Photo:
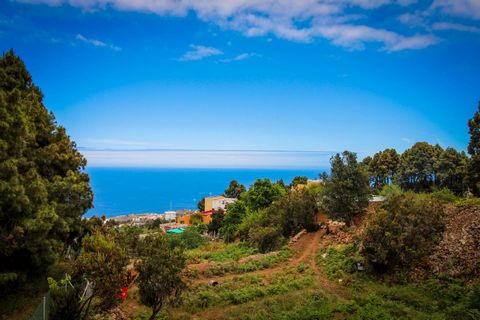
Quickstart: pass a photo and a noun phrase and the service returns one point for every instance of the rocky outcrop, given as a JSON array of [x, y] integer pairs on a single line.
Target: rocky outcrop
[[458, 253]]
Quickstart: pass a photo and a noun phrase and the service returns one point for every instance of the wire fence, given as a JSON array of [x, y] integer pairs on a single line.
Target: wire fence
[[42, 312]]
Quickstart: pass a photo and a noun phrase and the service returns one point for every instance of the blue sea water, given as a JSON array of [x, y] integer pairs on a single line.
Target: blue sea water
[[121, 191]]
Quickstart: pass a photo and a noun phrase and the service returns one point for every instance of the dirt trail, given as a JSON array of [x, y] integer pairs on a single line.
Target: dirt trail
[[304, 250]]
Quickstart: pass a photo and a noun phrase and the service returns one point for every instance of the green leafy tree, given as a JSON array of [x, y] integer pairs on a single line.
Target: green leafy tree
[[103, 261], [347, 189], [217, 221], [383, 168], [43, 189], [293, 212], [160, 274], [474, 151], [234, 190], [416, 170], [201, 204], [298, 180], [451, 170], [236, 213], [405, 229], [262, 193]]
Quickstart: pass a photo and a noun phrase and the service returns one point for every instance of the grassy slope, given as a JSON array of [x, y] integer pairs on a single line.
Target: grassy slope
[[327, 287]]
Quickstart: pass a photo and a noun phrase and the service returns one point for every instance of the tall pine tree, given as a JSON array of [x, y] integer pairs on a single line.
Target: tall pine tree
[[474, 151], [43, 189]]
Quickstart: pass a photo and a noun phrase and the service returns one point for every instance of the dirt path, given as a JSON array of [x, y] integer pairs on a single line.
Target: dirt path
[[304, 252]]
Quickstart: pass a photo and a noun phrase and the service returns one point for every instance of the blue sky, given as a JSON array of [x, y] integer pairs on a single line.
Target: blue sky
[[286, 75]]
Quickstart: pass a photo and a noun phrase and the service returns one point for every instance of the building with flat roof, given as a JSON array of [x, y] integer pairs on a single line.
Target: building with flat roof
[[217, 203]]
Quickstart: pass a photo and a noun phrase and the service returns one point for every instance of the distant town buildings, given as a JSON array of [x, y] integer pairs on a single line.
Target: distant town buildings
[[170, 215], [217, 203]]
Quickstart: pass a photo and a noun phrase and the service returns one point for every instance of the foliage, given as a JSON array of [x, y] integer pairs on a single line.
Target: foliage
[[266, 262], [417, 167], [339, 262], [347, 190], [217, 221], [129, 237], [43, 189], [155, 224], [474, 151], [220, 252], [295, 211], [196, 218], [191, 238], [402, 231], [451, 169], [265, 238], [66, 300], [383, 168], [390, 190], [160, 273], [201, 204], [247, 288], [298, 180], [103, 261], [444, 195], [261, 194], [236, 212], [234, 190]]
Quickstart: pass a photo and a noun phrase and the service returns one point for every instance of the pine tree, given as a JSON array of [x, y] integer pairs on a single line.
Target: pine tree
[[474, 151], [43, 189]]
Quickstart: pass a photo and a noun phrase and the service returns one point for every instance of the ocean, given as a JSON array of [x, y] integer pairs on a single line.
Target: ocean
[[120, 191]]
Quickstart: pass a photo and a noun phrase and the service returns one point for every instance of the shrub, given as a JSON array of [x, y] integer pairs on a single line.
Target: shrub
[[405, 229], [444, 195], [160, 269], [102, 261], [66, 302]]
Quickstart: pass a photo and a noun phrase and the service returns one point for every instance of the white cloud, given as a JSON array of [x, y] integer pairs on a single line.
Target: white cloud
[[200, 52], [97, 43], [461, 8], [206, 159], [242, 56], [295, 20], [454, 27]]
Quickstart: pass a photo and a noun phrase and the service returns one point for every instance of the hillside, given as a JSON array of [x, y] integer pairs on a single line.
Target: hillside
[[316, 278]]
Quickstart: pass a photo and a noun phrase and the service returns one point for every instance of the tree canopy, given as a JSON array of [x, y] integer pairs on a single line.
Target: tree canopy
[[43, 189], [347, 189], [234, 190], [474, 151], [160, 273]]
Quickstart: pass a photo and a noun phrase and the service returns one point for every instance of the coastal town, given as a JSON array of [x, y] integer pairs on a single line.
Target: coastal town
[[177, 221], [186, 217]]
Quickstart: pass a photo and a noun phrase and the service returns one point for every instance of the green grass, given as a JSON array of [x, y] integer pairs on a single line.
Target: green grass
[[372, 297], [242, 289], [266, 262], [220, 252]]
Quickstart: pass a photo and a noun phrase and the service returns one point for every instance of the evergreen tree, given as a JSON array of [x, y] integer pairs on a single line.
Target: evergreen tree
[[298, 180], [383, 167], [416, 170], [347, 189], [234, 190], [43, 189], [474, 151], [451, 170]]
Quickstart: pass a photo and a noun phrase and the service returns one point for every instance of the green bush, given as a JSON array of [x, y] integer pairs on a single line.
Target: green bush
[[444, 195], [404, 230]]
